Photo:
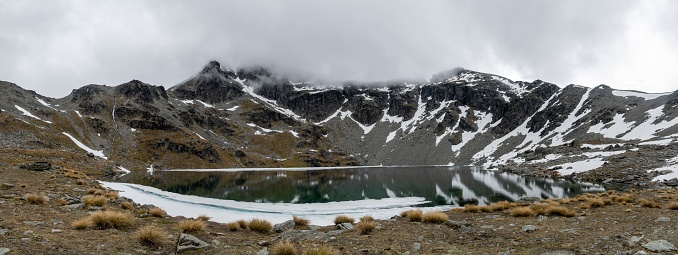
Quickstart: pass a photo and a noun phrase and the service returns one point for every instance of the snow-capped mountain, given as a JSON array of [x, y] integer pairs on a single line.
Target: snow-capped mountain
[[254, 117]]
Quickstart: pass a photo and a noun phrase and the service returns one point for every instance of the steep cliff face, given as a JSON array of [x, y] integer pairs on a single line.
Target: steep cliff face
[[255, 117]]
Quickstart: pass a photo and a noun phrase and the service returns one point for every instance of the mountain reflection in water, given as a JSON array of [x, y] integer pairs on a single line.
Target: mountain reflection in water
[[440, 185]]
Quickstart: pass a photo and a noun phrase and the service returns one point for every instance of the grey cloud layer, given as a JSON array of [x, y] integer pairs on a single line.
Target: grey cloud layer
[[55, 46]]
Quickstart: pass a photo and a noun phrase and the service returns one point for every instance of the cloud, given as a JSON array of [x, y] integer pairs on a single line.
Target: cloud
[[55, 46]]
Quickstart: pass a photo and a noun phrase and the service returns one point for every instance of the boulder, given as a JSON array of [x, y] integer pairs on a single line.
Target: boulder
[[188, 242], [282, 227], [659, 246], [37, 166]]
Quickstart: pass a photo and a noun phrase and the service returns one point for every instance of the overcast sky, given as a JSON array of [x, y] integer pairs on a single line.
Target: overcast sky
[[54, 46]]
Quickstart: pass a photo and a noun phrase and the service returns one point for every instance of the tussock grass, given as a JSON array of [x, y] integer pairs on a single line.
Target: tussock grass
[[111, 219], [343, 219], [157, 212], [36, 199], [82, 223], [283, 248], [203, 217], [91, 191], [233, 226], [673, 206], [595, 202], [434, 217], [62, 202], [81, 182], [112, 195], [300, 222], [188, 226], [260, 226], [560, 210], [151, 236], [472, 208], [648, 203], [521, 212], [366, 218], [95, 200], [127, 205], [501, 205], [412, 215], [366, 227], [322, 250], [243, 224], [74, 174], [539, 208]]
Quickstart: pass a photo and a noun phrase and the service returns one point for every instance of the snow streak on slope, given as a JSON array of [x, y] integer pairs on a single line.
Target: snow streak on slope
[[271, 103], [646, 129], [629, 93], [671, 165], [27, 113], [568, 124], [84, 147]]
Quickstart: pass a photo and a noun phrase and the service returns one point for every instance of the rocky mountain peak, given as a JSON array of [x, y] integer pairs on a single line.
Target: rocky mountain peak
[[142, 91], [213, 85]]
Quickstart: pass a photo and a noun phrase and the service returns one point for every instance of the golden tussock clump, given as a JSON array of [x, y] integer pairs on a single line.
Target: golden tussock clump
[[233, 226], [673, 206], [322, 250], [648, 203], [36, 199], [366, 218], [62, 202], [343, 219], [539, 208], [283, 248], [74, 174], [112, 195], [521, 212], [203, 217], [300, 222], [412, 215], [82, 223], [111, 219], [188, 226], [366, 227], [501, 205], [243, 224], [560, 210], [434, 217], [151, 236], [127, 205], [95, 200], [157, 212], [260, 226], [472, 208], [595, 202]]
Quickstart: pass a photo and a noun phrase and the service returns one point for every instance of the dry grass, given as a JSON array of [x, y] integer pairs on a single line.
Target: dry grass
[[322, 250], [500, 206], [648, 203], [366, 227], [62, 202], [539, 208], [127, 205], [472, 208], [521, 212], [343, 219], [283, 248], [260, 226], [111, 219], [560, 210], [300, 222], [188, 226], [81, 182], [366, 218], [151, 236], [36, 199], [434, 217], [157, 212], [91, 191], [412, 215], [625, 198], [74, 174], [82, 223], [233, 226], [673, 206], [204, 217], [243, 224], [112, 195], [95, 200], [595, 202]]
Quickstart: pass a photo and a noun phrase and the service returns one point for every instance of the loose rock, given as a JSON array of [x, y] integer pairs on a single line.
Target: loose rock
[[188, 242], [282, 227], [4, 250], [529, 228], [662, 219], [659, 245], [345, 226]]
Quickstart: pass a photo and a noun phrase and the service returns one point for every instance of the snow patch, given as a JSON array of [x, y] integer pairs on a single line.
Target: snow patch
[[630, 93], [27, 113], [580, 166], [84, 147]]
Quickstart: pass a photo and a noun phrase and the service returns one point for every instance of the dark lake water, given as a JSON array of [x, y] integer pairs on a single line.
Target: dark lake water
[[439, 185]]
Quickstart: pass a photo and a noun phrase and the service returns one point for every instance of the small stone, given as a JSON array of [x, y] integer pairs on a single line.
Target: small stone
[[56, 230], [216, 242], [421, 238], [28, 232], [34, 223], [188, 242], [416, 246], [57, 222], [25, 239], [659, 245], [640, 253], [264, 243], [77, 206], [345, 226], [529, 228], [263, 251], [581, 218], [3, 231], [634, 240], [662, 219], [4, 250], [542, 218], [672, 182]]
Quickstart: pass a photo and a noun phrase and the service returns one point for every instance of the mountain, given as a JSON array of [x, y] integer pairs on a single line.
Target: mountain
[[253, 117]]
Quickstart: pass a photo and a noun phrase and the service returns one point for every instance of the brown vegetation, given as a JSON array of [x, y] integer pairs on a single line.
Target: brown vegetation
[[111, 219], [188, 226], [36, 199], [283, 248], [300, 222], [260, 226], [343, 219], [151, 236], [434, 217]]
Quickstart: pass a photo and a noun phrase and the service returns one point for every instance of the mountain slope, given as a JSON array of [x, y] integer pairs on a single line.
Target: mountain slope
[[254, 117]]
